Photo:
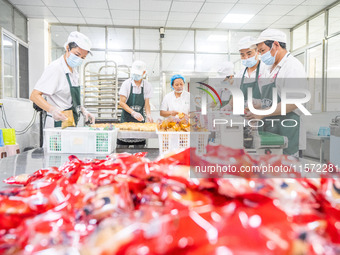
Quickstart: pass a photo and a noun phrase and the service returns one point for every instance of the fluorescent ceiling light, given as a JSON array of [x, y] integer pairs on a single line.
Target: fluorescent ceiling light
[[217, 38], [237, 18]]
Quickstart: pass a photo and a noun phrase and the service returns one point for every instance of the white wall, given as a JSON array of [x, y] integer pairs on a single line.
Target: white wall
[[19, 113], [317, 120], [38, 45]]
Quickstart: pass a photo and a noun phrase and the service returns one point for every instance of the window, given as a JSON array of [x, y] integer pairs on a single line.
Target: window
[[301, 58], [178, 62], [147, 39], [181, 40], [210, 62], [96, 35], [20, 26], [12, 20], [235, 38], [315, 65], [59, 35], [6, 16], [299, 37], [333, 74], [316, 29], [9, 69], [212, 41], [15, 67], [334, 20], [120, 38], [23, 72]]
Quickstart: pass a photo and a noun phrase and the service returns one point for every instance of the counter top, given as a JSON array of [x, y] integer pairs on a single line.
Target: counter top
[[317, 137], [30, 161]]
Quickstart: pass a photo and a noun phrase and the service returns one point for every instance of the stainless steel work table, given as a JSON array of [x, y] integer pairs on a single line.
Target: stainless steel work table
[[30, 161]]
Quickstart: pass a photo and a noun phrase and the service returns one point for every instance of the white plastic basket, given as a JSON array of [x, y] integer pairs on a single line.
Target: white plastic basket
[[80, 140], [171, 141]]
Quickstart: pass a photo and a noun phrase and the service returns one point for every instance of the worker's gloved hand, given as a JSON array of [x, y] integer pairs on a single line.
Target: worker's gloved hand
[[56, 113], [257, 103], [149, 118], [174, 113], [212, 105], [137, 116], [227, 108], [87, 115]]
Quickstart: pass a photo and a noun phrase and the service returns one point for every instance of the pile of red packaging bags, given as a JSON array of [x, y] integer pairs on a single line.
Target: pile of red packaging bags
[[127, 204]]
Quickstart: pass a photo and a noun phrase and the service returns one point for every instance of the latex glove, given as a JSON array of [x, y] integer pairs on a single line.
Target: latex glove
[[227, 108], [149, 118], [212, 105], [257, 103], [56, 113], [137, 116], [87, 115], [173, 113]]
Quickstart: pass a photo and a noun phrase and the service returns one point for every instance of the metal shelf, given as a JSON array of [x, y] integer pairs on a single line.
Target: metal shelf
[[102, 81]]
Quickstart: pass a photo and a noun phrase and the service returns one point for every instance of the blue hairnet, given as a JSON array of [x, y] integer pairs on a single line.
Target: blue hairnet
[[176, 76]]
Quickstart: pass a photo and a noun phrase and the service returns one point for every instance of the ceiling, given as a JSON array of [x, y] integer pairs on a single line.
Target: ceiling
[[173, 13]]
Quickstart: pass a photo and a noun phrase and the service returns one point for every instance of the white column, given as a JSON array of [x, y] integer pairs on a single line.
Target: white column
[[38, 45]]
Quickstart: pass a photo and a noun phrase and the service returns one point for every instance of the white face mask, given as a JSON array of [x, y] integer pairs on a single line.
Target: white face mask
[[179, 91]]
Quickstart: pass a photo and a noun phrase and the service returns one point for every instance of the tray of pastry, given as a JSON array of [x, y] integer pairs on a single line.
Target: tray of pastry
[[131, 129]]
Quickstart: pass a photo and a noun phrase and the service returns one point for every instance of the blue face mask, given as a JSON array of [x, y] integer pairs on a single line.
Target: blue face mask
[[267, 57], [136, 77], [74, 61], [249, 62]]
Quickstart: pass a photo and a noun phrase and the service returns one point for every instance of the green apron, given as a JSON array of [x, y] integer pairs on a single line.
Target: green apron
[[292, 133], [136, 102], [225, 102], [75, 95], [254, 85]]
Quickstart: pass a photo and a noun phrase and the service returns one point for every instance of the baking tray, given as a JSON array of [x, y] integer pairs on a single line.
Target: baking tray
[[136, 134]]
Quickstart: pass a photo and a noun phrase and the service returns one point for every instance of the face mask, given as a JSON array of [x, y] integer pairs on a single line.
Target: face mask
[[74, 61], [179, 91], [249, 62], [136, 77], [267, 57]]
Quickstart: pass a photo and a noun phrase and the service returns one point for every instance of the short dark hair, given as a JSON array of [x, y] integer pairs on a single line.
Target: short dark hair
[[269, 43], [72, 45]]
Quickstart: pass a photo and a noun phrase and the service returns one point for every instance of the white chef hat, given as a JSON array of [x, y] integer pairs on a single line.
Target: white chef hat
[[138, 67], [272, 35], [80, 39], [226, 69], [247, 42]]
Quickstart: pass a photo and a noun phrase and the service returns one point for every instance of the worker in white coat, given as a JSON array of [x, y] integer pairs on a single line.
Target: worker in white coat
[[226, 73], [285, 72], [176, 101], [253, 70], [135, 94], [60, 83]]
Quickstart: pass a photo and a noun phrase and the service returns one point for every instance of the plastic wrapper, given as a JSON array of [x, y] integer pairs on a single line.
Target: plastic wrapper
[[70, 119], [127, 204]]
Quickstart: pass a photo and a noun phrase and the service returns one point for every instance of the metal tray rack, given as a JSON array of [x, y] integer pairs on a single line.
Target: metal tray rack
[[102, 81]]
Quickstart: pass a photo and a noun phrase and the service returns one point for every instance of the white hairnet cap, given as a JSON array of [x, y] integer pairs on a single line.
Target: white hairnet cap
[[246, 42], [226, 69], [80, 39], [272, 35], [138, 67]]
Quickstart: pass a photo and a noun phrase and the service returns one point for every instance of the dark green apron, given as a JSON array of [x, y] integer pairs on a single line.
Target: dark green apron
[[225, 102], [75, 94], [292, 133], [136, 102], [254, 85]]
